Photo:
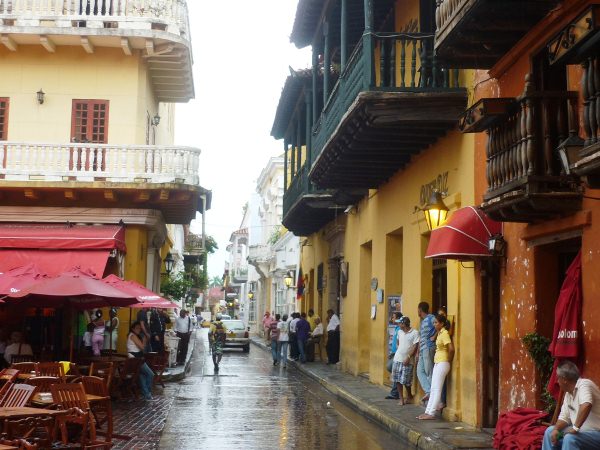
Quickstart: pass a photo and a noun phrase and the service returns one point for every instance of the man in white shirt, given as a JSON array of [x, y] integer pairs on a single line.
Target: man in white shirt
[[16, 347], [183, 328], [315, 339], [294, 354], [402, 368], [578, 424], [333, 337]]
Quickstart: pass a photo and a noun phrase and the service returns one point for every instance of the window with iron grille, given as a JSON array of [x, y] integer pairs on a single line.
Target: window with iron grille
[[3, 118], [252, 311]]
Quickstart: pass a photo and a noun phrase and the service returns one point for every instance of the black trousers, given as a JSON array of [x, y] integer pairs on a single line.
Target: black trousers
[[183, 346], [157, 345], [293, 346], [333, 346]]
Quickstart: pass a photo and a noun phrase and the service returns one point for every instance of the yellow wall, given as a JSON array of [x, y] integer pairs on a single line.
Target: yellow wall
[[385, 239], [69, 74]]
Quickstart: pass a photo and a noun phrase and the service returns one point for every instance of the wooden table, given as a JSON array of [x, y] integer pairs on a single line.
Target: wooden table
[[8, 447], [24, 376], [15, 413], [37, 399]]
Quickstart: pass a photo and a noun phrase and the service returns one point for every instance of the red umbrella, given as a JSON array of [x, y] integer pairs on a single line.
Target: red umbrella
[[145, 297], [75, 287], [17, 279], [566, 337], [465, 236]]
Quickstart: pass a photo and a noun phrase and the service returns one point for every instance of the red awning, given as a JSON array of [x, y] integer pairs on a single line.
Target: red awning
[[63, 237], [55, 262], [59, 248], [145, 297], [464, 237]]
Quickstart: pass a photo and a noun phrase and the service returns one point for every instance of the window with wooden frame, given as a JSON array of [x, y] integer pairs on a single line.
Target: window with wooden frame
[[89, 121], [3, 118]]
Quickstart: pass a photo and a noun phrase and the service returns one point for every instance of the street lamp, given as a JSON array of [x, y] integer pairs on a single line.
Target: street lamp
[[289, 280], [156, 120], [169, 262], [40, 96], [568, 151], [250, 295], [496, 245], [435, 211]]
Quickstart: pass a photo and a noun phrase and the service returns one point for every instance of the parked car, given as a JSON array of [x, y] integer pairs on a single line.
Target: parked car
[[238, 335]]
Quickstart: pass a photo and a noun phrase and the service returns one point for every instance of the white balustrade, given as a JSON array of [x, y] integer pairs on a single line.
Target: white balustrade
[[87, 162], [169, 12]]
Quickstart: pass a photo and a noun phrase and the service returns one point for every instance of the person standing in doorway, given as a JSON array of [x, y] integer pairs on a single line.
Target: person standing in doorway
[[333, 337], [274, 332], [111, 331], [183, 328], [283, 328], [302, 334], [444, 353], [392, 351], [426, 351]]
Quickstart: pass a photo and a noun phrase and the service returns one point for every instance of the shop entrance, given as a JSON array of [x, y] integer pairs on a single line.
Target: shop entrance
[[490, 342], [439, 288]]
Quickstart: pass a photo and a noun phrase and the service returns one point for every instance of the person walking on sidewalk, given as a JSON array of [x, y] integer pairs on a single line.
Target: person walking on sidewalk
[[183, 328], [392, 351], [426, 349], [444, 352], [266, 322], [283, 328], [302, 334], [333, 337], [402, 369], [274, 333], [293, 336], [217, 337]]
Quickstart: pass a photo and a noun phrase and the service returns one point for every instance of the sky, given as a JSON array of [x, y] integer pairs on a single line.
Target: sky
[[242, 56]]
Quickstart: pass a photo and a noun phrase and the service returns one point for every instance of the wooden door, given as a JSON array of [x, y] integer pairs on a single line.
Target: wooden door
[[490, 357], [89, 124]]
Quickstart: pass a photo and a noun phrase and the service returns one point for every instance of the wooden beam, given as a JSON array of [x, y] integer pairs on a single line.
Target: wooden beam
[[48, 44], [126, 46], [71, 194], [31, 194], [110, 195], [87, 45], [164, 195], [9, 43], [142, 196]]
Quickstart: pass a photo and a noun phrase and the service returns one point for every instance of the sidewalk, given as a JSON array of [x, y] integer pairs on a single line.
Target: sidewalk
[[370, 400], [177, 373]]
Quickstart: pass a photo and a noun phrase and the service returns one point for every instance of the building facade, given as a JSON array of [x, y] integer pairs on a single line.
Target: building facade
[[92, 143]]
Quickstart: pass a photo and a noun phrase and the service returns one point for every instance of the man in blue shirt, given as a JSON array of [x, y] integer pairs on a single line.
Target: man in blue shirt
[[302, 335], [426, 349]]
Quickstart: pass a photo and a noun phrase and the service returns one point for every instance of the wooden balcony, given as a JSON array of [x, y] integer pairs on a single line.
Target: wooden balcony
[[157, 29], [307, 209], [102, 175], [525, 180], [392, 101], [477, 33]]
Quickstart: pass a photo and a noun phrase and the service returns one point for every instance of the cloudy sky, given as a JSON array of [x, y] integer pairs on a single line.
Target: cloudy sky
[[241, 58]]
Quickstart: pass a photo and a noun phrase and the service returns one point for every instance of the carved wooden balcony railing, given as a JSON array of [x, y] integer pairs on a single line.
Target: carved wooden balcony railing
[[525, 183], [476, 33], [392, 100]]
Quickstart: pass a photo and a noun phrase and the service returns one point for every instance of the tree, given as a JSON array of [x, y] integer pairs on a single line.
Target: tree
[[216, 281], [177, 286]]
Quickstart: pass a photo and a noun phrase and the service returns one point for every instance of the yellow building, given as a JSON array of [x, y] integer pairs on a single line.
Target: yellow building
[[370, 133], [87, 94]]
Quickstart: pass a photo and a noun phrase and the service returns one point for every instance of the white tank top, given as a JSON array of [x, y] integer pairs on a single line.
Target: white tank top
[[131, 347]]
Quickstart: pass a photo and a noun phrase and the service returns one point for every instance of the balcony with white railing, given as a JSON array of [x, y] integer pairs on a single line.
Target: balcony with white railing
[[26, 161], [158, 30]]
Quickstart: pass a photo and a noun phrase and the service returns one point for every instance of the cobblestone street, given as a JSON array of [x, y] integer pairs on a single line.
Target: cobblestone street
[[252, 405]]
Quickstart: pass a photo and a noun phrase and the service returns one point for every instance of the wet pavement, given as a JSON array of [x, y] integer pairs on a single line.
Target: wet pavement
[[250, 404]]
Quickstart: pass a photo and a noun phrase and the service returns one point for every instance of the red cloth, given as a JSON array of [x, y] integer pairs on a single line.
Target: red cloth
[[520, 429], [566, 337], [300, 286], [54, 262]]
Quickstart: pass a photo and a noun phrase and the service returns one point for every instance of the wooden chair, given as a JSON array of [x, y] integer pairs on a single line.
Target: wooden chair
[[20, 444], [40, 430], [83, 419], [158, 363], [43, 383], [129, 372], [17, 396], [21, 358], [7, 378], [50, 369], [104, 370], [24, 366], [69, 395], [74, 373], [101, 409]]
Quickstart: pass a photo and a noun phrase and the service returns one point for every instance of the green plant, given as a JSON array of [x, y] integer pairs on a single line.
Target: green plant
[[275, 235], [537, 346], [176, 287]]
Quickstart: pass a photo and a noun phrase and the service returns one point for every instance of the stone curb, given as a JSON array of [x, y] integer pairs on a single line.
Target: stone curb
[[177, 373], [394, 425]]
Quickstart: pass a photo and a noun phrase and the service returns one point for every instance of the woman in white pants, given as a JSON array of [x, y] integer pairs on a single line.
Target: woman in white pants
[[444, 352]]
